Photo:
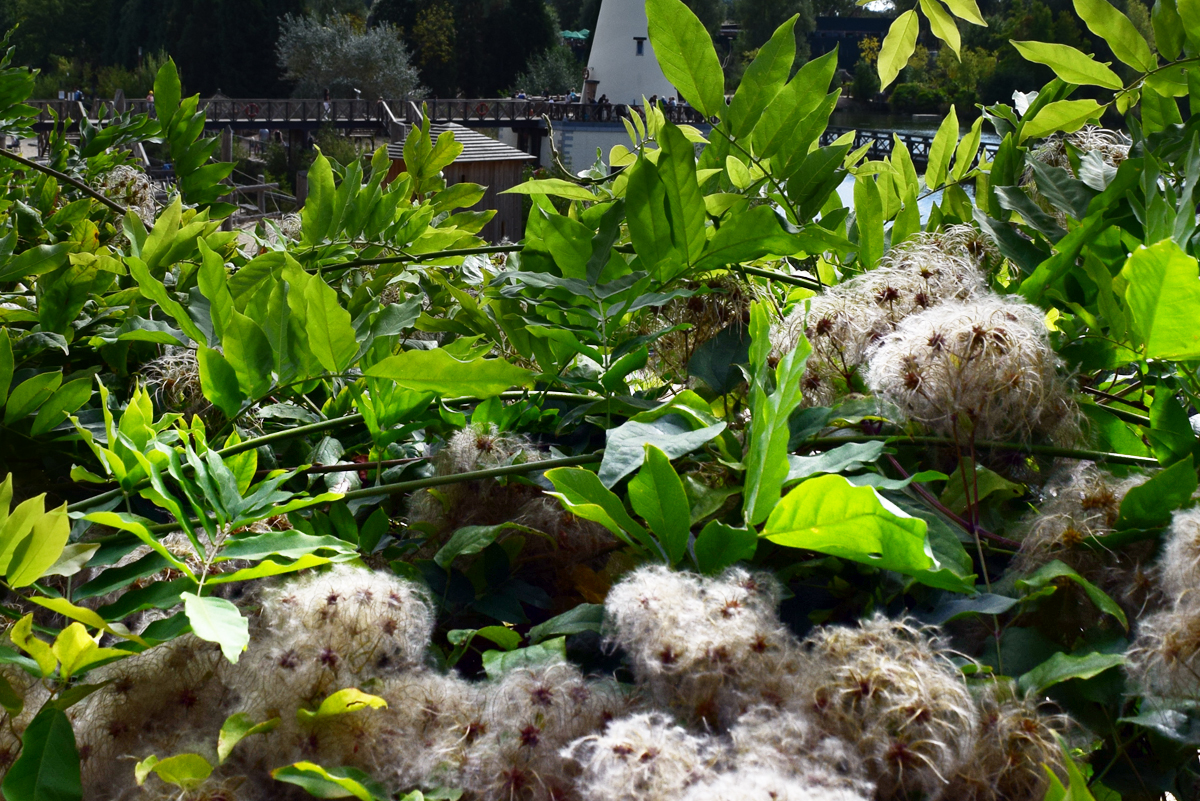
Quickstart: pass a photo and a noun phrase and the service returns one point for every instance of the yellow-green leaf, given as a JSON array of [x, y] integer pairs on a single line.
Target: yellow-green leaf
[[1115, 28], [942, 24], [86, 616], [1066, 116], [340, 703], [41, 549], [23, 637], [1072, 65], [238, 727], [898, 47]]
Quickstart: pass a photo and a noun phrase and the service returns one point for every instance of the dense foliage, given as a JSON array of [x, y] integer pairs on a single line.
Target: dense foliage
[[712, 487]]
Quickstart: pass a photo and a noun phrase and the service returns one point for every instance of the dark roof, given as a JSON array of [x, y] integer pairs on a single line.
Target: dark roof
[[476, 146], [853, 25]]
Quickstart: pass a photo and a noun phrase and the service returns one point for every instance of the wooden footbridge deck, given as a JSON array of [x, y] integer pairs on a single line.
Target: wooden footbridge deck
[[391, 117]]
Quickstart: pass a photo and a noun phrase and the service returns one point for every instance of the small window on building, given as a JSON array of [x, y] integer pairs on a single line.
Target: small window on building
[[641, 45]]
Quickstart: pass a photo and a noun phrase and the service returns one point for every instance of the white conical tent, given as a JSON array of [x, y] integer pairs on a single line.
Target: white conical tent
[[622, 60]]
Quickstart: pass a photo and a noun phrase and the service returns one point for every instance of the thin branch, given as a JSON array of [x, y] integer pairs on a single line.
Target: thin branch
[[75, 182], [1021, 447]]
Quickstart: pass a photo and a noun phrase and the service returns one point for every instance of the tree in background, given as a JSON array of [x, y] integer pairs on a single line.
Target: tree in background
[[555, 71], [226, 45], [341, 54], [433, 38], [758, 19], [492, 40]]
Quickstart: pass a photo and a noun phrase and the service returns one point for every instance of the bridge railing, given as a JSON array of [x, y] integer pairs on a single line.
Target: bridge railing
[[482, 110]]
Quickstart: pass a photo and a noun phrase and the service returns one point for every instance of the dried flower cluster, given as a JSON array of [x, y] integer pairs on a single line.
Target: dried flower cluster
[[982, 369], [1083, 501], [173, 380], [131, 188], [719, 302], [442, 510], [878, 710], [847, 322], [1165, 657], [316, 635]]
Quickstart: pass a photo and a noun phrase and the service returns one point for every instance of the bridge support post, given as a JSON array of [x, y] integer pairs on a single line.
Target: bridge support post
[[226, 144]]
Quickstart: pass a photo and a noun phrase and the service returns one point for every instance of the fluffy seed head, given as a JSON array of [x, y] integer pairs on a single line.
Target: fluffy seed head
[[644, 757], [849, 321], [887, 688], [982, 369]]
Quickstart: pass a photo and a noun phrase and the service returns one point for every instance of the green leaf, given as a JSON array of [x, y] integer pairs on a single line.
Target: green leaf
[[35, 261], [167, 92], [439, 372], [585, 617], [942, 25], [469, 540], [497, 663], [1164, 297], [217, 620], [503, 636], [829, 515], [1189, 13], [868, 213], [29, 395], [686, 55], [185, 771], [555, 187], [624, 450], [153, 289], [968, 10], [985, 484], [333, 783], [656, 493], [898, 47], [1150, 505], [1169, 32], [767, 457], [219, 382], [942, 150], [1064, 667], [1052, 571], [718, 546], [316, 218], [582, 494], [842, 459], [330, 332], [66, 400], [1066, 116], [1069, 64], [685, 204], [342, 702], [7, 364], [763, 80], [40, 549], [1115, 28], [48, 767], [86, 616]]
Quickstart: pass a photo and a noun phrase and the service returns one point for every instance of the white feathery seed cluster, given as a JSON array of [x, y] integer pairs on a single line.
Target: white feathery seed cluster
[[1164, 660], [130, 187], [644, 757], [1084, 501], [848, 321], [173, 381], [699, 646], [492, 502], [1015, 739], [878, 710], [981, 369]]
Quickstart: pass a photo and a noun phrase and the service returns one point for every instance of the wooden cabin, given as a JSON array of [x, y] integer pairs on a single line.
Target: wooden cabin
[[483, 161]]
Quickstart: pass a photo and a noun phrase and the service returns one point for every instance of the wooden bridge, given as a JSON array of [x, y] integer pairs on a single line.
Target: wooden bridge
[[392, 117]]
